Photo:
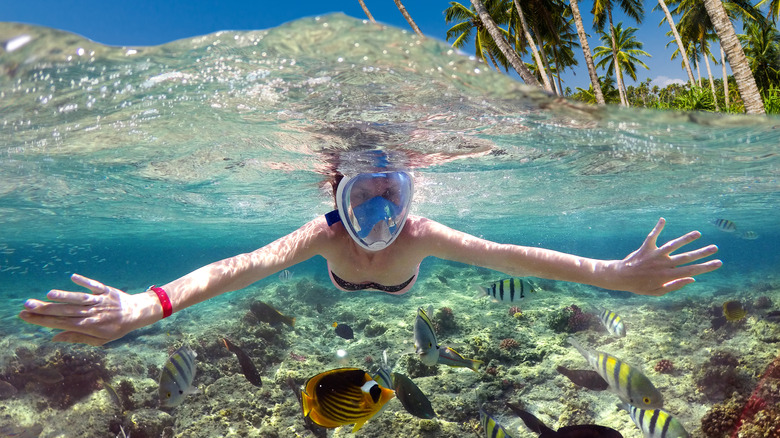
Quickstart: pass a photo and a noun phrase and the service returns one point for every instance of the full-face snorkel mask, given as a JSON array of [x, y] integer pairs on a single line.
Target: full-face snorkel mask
[[373, 207]]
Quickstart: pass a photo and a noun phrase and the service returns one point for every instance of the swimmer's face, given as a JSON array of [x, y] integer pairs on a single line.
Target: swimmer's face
[[375, 187]]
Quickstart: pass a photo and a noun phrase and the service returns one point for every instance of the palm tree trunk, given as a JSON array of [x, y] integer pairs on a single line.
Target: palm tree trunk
[[534, 49], [698, 73], [618, 76], [511, 55], [558, 70], [547, 72], [408, 17], [725, 77], [365, 9], [746, 83], [709, 75], [677, 38], [594, 77]]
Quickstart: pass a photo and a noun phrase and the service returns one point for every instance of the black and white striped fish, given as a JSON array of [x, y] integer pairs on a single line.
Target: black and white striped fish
[[613, 323], [655, 423], [508, 290], [176, 377], [725, 225], [627, 382]]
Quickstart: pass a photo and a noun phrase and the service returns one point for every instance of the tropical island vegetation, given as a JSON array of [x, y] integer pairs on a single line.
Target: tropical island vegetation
[[537, 39]]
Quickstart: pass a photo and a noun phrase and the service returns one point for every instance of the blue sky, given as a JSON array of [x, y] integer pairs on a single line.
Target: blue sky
[[146, 22]]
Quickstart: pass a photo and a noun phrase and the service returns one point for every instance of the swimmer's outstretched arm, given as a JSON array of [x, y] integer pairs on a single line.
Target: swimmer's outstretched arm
[[108, 313], [650, 270]]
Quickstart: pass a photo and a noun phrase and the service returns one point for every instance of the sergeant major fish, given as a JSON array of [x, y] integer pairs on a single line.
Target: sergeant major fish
[[492, 428], [613, 323], [655, 423], [176, 377], [425, 338], [508, 290], [627, 382]]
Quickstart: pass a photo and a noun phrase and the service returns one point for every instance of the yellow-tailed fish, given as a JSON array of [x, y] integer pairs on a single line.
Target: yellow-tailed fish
[[491, 426], [425, 343], [450, 357], [725, 225], [508, 290], [343, 396], [613, 323], [733, 310], [655, 423], [624, 380], [176, 377]]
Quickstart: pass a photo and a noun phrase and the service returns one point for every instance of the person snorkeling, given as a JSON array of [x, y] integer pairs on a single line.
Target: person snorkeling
[[370, 241]]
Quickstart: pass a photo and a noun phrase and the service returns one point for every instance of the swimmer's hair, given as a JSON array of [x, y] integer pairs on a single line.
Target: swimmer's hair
[[334, 179]]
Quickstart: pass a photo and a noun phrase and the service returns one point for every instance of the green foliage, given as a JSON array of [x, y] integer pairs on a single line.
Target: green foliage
[[772, 100], [696, 98]]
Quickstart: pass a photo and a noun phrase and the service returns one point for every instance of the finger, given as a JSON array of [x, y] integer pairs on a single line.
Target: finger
[[676, 284], [675, 244], [698, 269], [55, 322], [73, 297], [58, 309], [76, 337], [95, 286], [692, 256], [653, 236]]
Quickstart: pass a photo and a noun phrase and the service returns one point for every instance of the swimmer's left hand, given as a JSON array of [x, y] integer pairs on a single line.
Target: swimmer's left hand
[[653, 270]]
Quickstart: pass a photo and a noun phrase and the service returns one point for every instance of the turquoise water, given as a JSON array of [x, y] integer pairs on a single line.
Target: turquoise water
[[137, 165]]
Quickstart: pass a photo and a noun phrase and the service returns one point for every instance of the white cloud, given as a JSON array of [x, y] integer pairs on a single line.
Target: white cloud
[[663, 81]]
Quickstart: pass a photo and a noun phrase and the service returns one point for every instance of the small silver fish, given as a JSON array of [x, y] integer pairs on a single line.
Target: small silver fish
[[450, 357], [748, 235], [624, 380], [176, 377], [425, 338], [613, 323], [285, 276], [725, 225], [508, 290], [655, 423]]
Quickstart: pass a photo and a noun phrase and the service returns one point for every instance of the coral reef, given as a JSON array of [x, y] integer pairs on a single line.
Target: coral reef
[[763, 302], [508, 344], [719, 377], [444, 320], [722, 418], [664, 366], [570, 319], [65, 377]]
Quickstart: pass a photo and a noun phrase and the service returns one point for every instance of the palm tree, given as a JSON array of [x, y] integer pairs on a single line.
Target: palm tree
[[762, 48], [530, 41], [594, 77], [602, 14], [467, 23], [623, 54], [774, 9], [365, 9], [736, 57], [676, 34], [511, 55], [408, 17]]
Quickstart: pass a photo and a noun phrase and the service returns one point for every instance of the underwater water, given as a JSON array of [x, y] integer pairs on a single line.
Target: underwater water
[[135, 166]]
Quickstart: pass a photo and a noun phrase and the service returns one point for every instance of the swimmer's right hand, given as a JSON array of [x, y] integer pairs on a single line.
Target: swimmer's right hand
[[93, 318]]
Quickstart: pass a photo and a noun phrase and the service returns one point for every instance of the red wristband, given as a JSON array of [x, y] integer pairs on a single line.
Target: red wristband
[[165, 302]]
